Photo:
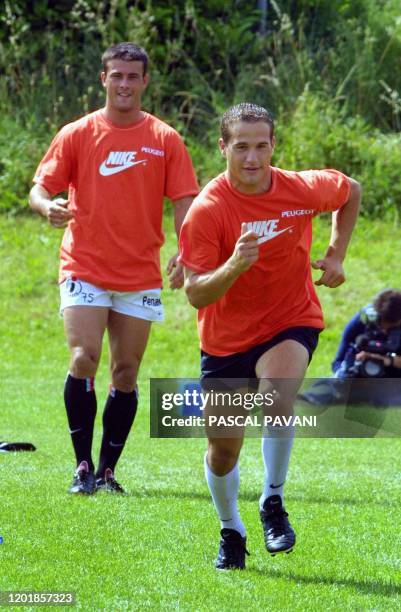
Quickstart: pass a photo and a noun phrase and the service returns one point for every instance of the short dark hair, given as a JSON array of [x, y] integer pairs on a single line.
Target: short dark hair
[[246, 111], [128, 52], [388, 306]]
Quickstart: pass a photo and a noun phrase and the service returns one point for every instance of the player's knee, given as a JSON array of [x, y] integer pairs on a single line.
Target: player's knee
[[124, 377], [84, 362], [222, 456], [283, 408]]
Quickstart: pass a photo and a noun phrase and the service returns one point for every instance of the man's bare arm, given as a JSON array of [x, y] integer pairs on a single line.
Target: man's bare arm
[[55, 211], [181, 208], [204, 289], [174, 268], [343, 222]]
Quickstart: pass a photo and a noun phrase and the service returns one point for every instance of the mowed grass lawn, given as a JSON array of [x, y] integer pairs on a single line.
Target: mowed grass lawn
[[155, 548]]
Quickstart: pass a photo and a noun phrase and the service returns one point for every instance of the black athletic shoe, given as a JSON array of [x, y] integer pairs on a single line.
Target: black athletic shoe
[[12, 447], [232, 550], [84, 481], [279, 535], [109, 483]]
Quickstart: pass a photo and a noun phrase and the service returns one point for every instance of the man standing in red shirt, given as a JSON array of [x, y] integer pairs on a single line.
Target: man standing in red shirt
[[117, 163], [245, 245]]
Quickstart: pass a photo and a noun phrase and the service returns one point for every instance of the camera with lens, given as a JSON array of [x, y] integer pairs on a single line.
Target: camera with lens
[[376, 342]]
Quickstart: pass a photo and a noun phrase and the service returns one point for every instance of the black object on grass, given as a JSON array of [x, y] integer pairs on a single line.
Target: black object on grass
[[10, 447]]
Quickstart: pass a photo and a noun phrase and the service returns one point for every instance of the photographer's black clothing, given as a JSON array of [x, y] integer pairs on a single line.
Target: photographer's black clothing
[[363, 324], [349, 384], [354, 328]]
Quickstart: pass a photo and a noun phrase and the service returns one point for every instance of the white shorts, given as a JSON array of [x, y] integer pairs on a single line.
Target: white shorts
[[141, 304]]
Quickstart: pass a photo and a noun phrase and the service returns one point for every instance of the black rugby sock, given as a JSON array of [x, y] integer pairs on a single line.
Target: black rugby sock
[[118, 417], [80, 403]]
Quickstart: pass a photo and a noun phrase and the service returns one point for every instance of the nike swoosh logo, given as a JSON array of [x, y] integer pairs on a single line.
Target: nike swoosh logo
[[272, 235], [106, 171], [272, 486], [115, 445], [72, 431]]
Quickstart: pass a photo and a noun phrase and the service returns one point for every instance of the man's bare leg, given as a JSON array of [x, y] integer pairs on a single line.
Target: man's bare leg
[[222, 476], [84, 328], [128, 337], [285, 365]]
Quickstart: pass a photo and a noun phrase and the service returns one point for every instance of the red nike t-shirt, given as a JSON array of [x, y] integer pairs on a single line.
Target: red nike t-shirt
[[116, 180], [277, 292]]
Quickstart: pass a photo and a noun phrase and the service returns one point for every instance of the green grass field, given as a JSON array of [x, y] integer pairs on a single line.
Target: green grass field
[[155, 548]]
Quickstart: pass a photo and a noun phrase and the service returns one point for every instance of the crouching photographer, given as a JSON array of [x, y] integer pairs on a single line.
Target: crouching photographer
[[371, 343], [367, 366]]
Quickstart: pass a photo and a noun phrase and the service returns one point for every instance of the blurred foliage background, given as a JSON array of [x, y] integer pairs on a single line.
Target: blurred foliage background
[[329, 70]]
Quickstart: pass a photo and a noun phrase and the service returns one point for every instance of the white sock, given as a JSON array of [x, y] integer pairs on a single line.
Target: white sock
[[276, 451], [224, 491]]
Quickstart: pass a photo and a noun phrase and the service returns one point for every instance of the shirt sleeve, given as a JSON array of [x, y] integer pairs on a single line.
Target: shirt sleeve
[[330, 189], [180, 176], [54, 172], [200, 240]]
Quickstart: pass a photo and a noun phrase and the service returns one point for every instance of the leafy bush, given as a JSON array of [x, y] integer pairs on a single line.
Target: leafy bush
[[204, 53], [21, 148], [319, 134], [329, 71]]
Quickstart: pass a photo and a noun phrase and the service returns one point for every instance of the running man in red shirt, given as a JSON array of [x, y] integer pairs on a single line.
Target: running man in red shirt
[[117, 164], [245, 247]]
